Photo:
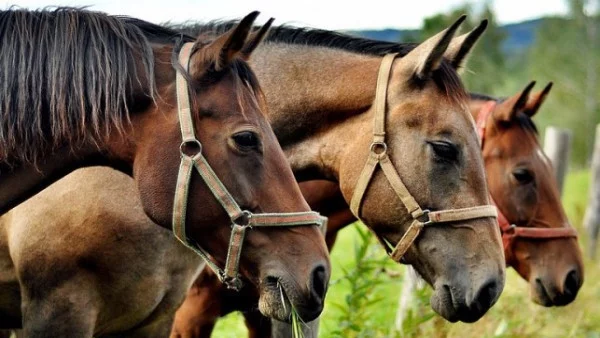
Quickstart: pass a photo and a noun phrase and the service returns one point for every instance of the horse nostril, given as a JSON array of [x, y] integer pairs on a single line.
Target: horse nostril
[[319, 281], [572, 284], [271, 282], [486, 296]]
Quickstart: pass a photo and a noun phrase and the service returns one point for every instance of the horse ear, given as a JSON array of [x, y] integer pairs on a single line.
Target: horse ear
[[223, 50], [427, 56], [536, 100], [509, 108], [256, 38], [460, 47]]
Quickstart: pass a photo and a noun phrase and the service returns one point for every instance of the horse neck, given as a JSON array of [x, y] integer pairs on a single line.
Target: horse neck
[[312, 92], [22, 181]]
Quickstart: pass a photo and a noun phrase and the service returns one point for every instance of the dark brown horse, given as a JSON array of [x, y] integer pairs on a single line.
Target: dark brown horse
[[520, 180], [79, 88]]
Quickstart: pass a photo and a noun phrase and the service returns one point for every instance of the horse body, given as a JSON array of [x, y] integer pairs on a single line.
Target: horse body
[[71, 261]]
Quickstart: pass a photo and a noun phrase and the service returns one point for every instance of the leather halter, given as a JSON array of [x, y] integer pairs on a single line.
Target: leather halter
[[241, 219], [510, 231], [378, 156]]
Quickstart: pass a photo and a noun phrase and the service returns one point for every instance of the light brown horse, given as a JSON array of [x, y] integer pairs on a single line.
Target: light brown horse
[[81, 88], [330, 82], [520, 180]]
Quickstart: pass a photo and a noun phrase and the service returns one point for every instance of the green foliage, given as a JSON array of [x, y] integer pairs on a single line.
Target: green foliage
[[418, 314], [567, 51], [486, 58], [296, 325], [363, 279]]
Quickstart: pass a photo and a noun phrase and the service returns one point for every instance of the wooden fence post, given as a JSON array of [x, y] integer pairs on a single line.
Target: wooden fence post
[[591, 221], [557, 146]]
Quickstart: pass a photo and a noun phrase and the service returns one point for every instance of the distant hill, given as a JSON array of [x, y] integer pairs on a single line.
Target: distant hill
[[519, 36]]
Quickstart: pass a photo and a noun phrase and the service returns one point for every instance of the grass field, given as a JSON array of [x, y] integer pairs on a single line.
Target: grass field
[[513, 316]]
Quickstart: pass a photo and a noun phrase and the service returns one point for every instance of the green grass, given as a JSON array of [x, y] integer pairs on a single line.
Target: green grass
[[513, 316]]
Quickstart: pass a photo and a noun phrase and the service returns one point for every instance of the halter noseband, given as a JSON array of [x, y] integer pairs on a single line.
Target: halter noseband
[[510, 231], [378, 156], [241, 219]]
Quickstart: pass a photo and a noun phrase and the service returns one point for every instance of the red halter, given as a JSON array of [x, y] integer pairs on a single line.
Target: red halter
[[511, 231]]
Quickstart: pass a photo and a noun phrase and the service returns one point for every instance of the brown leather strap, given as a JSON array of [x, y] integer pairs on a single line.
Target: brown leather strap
[[363, 183], [380, 97], [216, 187], [238, 233], [454, 215], [378, 156], [545, 233], [407, 240], [407, 199], [181, 197], [183, 99]]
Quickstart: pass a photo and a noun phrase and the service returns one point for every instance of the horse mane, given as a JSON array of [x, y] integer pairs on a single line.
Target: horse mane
[[523, 120], [67, 76], [445, 76]]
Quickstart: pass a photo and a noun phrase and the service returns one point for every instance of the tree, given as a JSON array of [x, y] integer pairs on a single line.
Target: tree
[[566, 51]]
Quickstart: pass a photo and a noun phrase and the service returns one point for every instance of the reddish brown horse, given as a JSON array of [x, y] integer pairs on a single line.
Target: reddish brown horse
[[81, 88], [520, 180]]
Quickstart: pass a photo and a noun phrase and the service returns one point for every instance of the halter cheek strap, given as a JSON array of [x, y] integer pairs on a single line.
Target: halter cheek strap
[[378, 156], [510, 232], [241, 220]]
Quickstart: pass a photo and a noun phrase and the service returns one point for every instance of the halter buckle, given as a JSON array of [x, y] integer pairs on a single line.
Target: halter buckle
[[244, 219], [379, 148], [427, 220], [190, 148], [232, 283]]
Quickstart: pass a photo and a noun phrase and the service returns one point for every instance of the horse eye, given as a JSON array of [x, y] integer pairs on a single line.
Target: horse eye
[[444, 150], [523, 176], [246, 140]]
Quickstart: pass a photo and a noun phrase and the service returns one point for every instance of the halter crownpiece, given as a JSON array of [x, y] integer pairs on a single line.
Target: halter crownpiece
[[510, 232], [241, 219], [378, 156]]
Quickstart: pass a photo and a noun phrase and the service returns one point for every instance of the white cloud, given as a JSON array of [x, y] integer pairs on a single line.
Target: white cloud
[[327, 14]]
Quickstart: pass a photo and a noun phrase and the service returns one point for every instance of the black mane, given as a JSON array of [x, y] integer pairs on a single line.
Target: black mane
[[445, 76], [66, 76]]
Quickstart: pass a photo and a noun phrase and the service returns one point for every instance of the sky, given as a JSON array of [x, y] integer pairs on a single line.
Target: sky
[[325, 14]]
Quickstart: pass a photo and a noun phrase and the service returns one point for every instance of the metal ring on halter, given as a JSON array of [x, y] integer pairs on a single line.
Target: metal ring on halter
[[244, 219], [192, 144], [382, 147], [427, 220]]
